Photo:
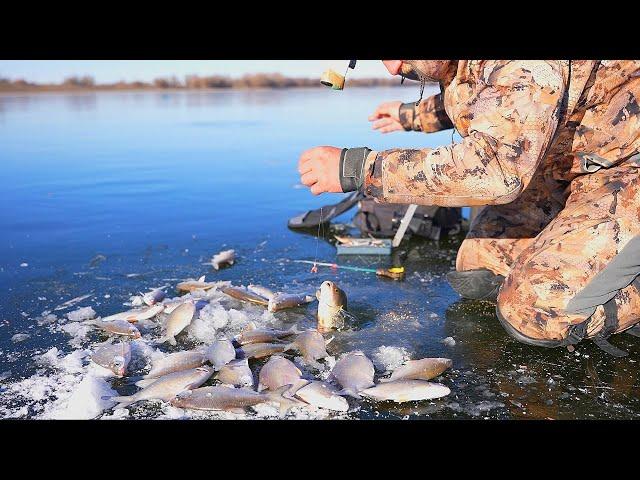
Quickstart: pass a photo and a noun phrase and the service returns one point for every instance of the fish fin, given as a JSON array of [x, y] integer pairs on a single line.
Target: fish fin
[[284, 403], [290, 346], [202, 278], [297, 385]]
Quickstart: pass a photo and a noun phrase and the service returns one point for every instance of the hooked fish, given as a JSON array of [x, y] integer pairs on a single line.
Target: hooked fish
[[220, 352], [354, 372], [332, 306], [281, 301], [277, 372], [406, 391], [423, 369], [192, 285], [179, 319], [114, 357], [322, 395], [117, 327], [260, 350], [167, 387], [311, 344], [174, 362], [251, 334], [154, 296], [231, 399], [136, 315], [236, 373], [226, 257], [241, 293]]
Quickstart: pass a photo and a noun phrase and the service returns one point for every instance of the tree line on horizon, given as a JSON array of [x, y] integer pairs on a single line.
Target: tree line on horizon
[[190, 82]]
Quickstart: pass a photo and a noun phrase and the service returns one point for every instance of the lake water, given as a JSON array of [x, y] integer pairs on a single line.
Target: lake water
[[156, 183]]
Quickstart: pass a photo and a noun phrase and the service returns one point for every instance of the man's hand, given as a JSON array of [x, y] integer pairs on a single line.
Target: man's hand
[[319, 169], [387, 117]]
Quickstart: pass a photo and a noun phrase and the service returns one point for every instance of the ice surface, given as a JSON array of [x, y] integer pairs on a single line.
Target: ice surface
[[81, 314], [387, 358]]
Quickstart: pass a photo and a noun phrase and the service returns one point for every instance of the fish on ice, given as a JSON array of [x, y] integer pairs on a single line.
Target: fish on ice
[[114, 357], [116, 327], [423, 369], [171, 363], [354, 372], [136, 315], [236, 373], [179, 319], [192, 285], [252, 334], [259, 350], [220, 352], [401, 391], [231, 399], [222, 259], [322, 395], [278, 372], [311, 344], [167, 387]]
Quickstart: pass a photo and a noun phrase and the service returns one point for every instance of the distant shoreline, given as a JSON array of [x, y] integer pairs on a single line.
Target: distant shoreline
[[190, 83]]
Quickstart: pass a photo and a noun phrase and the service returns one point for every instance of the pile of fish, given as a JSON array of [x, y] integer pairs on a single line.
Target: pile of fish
[[223, 376]]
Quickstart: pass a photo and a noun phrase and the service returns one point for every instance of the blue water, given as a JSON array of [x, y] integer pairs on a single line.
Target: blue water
[[158, 182]]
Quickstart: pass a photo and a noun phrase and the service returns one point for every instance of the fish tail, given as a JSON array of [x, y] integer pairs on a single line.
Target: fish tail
[[284, 403]]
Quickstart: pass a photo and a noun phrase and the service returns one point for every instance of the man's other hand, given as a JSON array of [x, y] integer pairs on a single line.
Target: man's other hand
[[387, 117], [319, 169]]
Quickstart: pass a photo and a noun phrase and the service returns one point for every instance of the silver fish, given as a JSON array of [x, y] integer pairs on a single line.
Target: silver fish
[[192, 285], [136, 315], [114, 357], [322, 395], [179, 319], [174, 362], [117, 327], [154, 296], [277, 372], [241, 293], [354, 372], [262, 291], [423, 369], [220, 352], [251, 334], [167, 387], [260, 350], [230, 399], [311, 344], [236, 373], [406, 391], [226, 257], [332, 306], [287, 300]]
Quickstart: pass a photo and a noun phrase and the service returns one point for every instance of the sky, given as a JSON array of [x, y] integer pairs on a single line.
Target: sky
[[108, 71]]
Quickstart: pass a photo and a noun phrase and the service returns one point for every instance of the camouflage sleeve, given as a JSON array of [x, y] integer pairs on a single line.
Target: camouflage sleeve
[[429, 116], [509, 121]]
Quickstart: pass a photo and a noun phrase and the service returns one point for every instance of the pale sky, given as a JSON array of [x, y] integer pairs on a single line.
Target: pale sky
[[108, 71]]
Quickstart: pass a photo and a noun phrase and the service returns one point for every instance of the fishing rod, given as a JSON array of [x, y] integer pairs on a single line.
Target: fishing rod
[[396, 273]]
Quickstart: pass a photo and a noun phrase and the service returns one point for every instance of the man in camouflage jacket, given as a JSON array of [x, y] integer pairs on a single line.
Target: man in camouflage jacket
[[551, 148]]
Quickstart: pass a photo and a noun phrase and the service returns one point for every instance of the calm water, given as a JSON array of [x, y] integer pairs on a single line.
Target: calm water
[[158, 182]]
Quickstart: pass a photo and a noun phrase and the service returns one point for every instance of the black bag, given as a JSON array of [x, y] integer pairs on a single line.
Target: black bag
[[383, 219]]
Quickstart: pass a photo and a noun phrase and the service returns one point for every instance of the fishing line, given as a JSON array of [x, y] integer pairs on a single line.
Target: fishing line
[[314, 268]]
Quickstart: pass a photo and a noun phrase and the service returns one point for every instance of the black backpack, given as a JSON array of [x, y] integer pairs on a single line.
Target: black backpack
[[382, 219]]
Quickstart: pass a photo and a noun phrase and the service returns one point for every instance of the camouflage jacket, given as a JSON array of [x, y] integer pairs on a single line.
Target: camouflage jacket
[[515, 118]]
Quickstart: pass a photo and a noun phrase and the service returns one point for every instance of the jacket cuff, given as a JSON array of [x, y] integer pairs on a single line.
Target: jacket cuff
[[372, 186], [351, 168], [407, 116]]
